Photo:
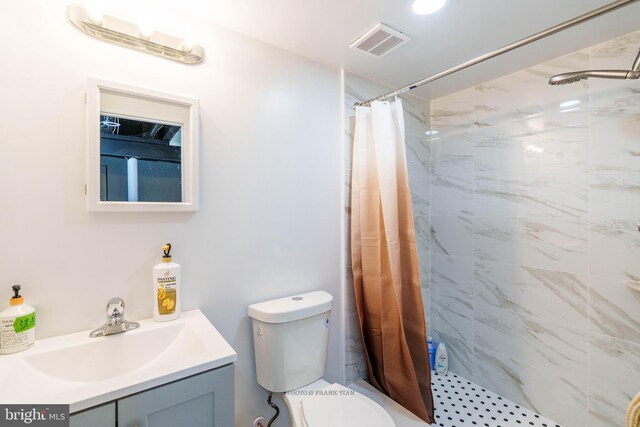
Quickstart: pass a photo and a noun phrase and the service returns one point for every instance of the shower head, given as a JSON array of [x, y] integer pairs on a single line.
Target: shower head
[[576, 76], [567, 78]]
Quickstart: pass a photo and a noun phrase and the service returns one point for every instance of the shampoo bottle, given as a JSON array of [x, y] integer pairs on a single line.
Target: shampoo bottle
[[17, 325], [166, 288], [432, 354], [442, 360]]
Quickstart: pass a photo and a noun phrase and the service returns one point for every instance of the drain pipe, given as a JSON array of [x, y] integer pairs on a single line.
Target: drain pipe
[[274, 406]]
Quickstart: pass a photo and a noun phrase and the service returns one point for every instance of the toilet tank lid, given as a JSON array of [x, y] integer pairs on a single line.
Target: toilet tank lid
[[291, 308]]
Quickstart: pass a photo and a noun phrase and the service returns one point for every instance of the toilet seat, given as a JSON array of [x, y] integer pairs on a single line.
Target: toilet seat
[[321, 404]]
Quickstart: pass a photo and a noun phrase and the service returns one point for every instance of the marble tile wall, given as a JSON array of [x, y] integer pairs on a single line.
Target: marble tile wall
[[535, 198], [418, 159]]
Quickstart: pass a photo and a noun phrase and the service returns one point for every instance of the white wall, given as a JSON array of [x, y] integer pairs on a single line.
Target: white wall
[[269, 222]]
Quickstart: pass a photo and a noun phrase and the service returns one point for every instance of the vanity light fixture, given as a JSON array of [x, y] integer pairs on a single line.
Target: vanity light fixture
[[138, 37], [427, 7]]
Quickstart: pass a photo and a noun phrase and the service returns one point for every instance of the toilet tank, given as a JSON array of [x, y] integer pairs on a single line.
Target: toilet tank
[[290, 337]]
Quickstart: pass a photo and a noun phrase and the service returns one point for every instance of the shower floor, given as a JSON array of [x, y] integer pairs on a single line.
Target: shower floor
[[461, 403]]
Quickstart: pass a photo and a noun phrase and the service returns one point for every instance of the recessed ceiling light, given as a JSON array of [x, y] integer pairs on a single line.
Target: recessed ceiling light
[[426, 7]]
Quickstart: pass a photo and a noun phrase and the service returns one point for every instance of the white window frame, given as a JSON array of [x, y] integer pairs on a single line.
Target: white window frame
[[148, 105]]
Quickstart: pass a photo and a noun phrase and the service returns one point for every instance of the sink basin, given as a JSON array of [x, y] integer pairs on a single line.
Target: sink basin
[[83, 372], [115, 355]]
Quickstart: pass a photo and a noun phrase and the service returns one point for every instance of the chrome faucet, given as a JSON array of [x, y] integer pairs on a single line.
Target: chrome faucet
[[116, 322]]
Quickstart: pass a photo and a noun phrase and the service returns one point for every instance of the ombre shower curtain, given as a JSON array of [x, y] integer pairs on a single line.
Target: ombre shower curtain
[[385, 261]]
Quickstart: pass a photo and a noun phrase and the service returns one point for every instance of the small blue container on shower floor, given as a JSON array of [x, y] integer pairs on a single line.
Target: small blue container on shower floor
[[432, 353]]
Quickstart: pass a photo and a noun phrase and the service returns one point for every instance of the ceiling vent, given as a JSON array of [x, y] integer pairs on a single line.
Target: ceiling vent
[[379, 40]]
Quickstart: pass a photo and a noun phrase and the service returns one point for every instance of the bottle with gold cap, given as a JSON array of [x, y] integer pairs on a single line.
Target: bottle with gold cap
[[166, 288], [17, 325]]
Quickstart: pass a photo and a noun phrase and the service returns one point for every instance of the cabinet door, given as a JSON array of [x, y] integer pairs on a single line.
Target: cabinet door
[[204, 400], [100, 416]]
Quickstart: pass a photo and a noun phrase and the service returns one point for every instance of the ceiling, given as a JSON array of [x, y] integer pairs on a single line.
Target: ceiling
[[323, 29]]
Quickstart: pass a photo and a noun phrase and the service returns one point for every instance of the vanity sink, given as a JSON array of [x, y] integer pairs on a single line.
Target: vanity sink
[[108, 357], [83, 372]]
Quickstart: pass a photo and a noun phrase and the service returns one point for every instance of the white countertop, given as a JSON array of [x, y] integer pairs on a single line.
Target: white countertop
[[83, 372]]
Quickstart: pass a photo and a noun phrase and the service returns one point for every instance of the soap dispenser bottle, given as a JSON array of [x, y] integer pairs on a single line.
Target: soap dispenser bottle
[[442, 360], [17, 325], [166, 288]]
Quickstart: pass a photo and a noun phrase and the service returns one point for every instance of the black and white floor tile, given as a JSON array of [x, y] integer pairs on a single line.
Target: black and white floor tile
[[461, 403]]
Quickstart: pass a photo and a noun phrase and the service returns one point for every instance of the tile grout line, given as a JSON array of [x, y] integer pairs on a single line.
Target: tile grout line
[[473, 236], [589, 144]]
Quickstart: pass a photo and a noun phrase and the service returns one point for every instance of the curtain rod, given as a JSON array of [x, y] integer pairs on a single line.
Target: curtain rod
[[522, 42]]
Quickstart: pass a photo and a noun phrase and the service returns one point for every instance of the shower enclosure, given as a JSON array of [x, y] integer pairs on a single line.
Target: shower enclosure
[[526, 200]]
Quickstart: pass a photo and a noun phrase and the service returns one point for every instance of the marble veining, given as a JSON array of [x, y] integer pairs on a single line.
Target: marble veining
[[418, 159], [606, 411], [452, 155], [422, 229], [453, 114], [614, 366], [353, 341], [545, 345], [554, 191], [452, 195], [615, 125], [425, 293], [452, 276], [553, 295], [547, 140], [544, 392], [452, 235], [613, 309], [550, 243], [452, 315], [355, 370], [614, 249], [420, 195], [615, 189]]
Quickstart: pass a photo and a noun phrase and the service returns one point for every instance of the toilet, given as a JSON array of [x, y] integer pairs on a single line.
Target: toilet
[[290, 337]]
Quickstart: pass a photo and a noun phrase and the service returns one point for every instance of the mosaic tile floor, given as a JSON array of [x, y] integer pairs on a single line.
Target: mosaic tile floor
[[461, 403]]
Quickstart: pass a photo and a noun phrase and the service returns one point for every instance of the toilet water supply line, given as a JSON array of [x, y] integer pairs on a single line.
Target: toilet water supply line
[[274, 406]]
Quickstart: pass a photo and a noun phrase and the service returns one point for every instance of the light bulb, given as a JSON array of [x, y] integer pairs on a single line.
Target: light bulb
[[145, 29], [426, 7], [95, 11], [189, 42]]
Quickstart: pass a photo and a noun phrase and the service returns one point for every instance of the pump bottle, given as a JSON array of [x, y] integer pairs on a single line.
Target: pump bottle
[[166, 288], [17, 325]]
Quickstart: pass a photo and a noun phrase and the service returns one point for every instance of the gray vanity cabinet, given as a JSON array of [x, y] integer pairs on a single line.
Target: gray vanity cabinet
[[203, 400], [99, 416]]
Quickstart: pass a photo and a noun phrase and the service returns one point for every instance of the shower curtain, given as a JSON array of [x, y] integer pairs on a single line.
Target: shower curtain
[[385, 261]]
